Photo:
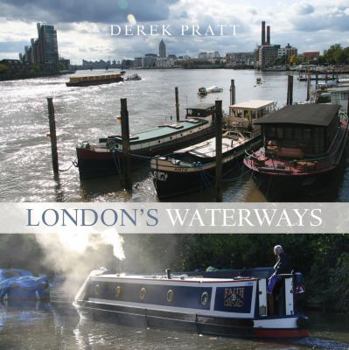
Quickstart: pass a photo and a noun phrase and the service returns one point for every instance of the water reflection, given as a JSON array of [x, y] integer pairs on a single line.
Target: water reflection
[[42, 326]]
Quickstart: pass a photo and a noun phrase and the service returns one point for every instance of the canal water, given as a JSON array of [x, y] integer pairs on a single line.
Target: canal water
[[59, 327], [88, 113]]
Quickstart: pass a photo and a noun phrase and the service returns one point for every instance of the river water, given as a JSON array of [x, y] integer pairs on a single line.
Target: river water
[[59, 327], [87, 113]]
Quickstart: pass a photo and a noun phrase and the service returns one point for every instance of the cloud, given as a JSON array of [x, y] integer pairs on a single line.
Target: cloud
[[83, 25], [330, 18], [304, 9], [101, 11]]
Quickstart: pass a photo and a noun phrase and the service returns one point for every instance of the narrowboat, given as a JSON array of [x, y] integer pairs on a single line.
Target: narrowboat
[[301, 144], [103, 158], [193, 168], [234, 305], [87, 80]]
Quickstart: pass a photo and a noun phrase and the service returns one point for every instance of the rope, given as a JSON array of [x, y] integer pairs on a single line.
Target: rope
[[72, 164]]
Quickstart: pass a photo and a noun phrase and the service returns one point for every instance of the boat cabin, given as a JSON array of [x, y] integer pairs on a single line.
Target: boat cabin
[[299, 131], [242, 116], [200, 110]]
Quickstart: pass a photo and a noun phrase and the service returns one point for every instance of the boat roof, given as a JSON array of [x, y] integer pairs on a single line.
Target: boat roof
[[174, 278], [95, 74], [202, 106], [339, 89], [207, 149], [253, 104], [165, 130], [303, 114]]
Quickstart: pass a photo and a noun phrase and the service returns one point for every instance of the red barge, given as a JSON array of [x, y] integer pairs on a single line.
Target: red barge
[[301, 143]]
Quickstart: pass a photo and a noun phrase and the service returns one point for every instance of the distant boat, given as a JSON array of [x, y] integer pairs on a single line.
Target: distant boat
[[259, 81], [87, 80], [203, 91], [134, 76]]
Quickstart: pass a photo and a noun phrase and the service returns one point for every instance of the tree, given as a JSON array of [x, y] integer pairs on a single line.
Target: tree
[[3, 68]]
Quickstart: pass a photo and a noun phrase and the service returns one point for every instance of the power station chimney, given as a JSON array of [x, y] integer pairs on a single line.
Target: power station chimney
[[268, 35], [263, 32]]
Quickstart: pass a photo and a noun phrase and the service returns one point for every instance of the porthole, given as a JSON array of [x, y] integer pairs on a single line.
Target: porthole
[[118, 292], [142, 293], [204, 298], [170, 295], [98, 290]]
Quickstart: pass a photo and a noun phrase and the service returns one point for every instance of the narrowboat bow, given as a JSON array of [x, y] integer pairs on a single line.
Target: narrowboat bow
[[231, 306]]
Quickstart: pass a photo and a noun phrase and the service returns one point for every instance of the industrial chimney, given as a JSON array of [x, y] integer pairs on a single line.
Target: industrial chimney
[[268, 35], [263, 32]]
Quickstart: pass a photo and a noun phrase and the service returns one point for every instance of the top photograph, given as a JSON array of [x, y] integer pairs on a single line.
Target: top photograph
[[174, 101]]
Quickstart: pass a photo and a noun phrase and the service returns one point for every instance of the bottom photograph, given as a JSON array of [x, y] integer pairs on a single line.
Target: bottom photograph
[[106, 291]]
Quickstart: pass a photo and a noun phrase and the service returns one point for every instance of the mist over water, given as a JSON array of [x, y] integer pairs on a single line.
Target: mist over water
[[88, 113], [73, 256]]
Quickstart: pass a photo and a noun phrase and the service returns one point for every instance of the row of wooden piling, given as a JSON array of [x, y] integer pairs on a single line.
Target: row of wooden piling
[[125, 168]]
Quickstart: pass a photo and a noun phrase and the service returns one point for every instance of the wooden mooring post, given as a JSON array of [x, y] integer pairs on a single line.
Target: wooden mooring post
[[125, 175], [177, 104], [218, 122], [308, 86], [232, 92], [53, 136], [290, 90]]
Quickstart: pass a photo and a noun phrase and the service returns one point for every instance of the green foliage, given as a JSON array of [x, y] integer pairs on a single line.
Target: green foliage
[[336, 55], [3, 68], [35, 69], [323, 259]]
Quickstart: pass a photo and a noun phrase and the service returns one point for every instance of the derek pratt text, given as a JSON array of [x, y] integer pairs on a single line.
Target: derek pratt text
[[169, 30]]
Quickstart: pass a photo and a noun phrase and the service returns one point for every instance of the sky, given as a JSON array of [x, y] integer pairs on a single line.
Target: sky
[[84, 26]]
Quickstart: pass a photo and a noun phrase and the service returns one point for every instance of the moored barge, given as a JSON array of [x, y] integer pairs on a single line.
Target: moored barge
[[193, 168], [301, 144], [232, 306], [103, 158]]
